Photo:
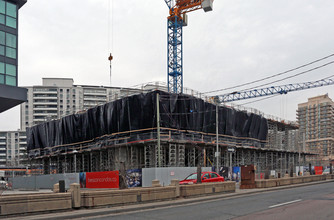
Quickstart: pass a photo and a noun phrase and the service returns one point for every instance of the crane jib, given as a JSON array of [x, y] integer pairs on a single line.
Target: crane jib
[[235, 96]]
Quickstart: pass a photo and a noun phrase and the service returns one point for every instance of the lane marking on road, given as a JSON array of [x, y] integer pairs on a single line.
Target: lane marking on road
[[285, 203]]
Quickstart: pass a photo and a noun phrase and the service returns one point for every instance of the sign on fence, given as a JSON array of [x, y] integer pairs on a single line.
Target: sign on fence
[[108, 179]]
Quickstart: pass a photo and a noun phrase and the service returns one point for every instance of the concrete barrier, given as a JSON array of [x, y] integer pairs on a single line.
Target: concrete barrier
[[126, 196], [76, 198], [291, 180], [207, 188], [19, 204]]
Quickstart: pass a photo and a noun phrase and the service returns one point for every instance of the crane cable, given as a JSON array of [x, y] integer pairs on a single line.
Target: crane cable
[[110, 24], [275, 75]]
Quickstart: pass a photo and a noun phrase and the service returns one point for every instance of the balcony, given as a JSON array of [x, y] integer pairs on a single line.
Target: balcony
[[46, 114], [96, 92], [46, 97], [55, 108]]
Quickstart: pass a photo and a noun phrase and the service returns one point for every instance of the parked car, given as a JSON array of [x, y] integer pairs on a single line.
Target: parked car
[[207, 177], [326, 171]]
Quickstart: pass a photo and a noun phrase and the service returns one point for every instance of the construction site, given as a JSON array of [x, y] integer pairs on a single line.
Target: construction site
[[172, 128], [160, 129]]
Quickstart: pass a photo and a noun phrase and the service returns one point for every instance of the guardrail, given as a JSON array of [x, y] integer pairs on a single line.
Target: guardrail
[[268, 183], [76, 198]]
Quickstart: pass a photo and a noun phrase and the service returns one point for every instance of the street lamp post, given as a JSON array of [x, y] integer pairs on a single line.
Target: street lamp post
[[75, 160]]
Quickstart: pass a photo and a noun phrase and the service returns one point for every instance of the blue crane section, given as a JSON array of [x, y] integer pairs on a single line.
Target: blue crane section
[[273, 90], [176, 20], [169, 3]]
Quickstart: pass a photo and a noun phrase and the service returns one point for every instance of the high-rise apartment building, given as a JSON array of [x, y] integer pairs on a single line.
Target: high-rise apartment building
[[316, 127], [58, 97], [13, 148], [10, 94]]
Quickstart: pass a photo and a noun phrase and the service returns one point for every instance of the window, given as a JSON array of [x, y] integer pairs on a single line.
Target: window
[[2, 19], [10, 40], [11, 10], [11, 81], [2, 38], [206, 176], [213, 175], [8, 14], [10, 22], [2, 50], [8, 45], [2, 7], [7, 74], [10, 52], [2, 72], [10, 70]]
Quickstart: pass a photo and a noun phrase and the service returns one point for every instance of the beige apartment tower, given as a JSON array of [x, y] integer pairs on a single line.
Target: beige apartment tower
[[316, 127], [59, 97]]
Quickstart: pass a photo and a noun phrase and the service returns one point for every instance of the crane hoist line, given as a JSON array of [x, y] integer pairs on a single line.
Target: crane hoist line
[[178, 18]]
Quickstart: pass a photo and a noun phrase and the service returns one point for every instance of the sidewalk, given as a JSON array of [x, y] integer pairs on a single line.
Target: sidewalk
[[82, 213]]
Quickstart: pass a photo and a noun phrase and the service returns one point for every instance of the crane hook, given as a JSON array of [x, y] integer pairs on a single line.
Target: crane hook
[[110, 57]]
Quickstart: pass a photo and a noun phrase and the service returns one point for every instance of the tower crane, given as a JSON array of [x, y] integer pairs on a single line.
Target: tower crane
[[273, 90], [176, 20]]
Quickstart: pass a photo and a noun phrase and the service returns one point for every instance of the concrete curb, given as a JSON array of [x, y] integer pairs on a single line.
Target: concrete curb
[[84, 213]]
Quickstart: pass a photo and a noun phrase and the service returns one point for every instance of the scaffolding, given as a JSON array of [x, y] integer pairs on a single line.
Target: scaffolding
[[178, 149], [136, 149]]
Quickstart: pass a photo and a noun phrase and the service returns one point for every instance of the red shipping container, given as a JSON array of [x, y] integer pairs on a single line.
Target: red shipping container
[[108, 179]]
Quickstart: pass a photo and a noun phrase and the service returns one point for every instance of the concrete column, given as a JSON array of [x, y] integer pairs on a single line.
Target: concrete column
[[83, 162], [175, 182], [76, 195], [65, 165], [101, 167], [91, 162], [50, 164], [58, 165]]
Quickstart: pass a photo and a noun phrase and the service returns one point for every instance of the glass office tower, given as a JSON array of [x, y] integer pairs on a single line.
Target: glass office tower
[[10, 94]]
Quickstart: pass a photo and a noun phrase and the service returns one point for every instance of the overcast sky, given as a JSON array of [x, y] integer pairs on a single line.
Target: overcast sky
[[238, 42]]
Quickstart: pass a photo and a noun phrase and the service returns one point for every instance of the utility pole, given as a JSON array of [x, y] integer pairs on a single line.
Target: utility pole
[[231, 171], [299, 154], [217, 137], [75, 160], [158, 131]]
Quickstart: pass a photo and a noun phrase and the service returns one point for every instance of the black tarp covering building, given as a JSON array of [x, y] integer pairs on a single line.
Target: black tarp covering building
[[139, 112]]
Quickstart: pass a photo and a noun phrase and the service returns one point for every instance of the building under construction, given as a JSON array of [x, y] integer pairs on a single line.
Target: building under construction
[[316, 120], [160, 129]]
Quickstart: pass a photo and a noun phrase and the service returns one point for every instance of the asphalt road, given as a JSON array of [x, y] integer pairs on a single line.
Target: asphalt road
[[308, 202]]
